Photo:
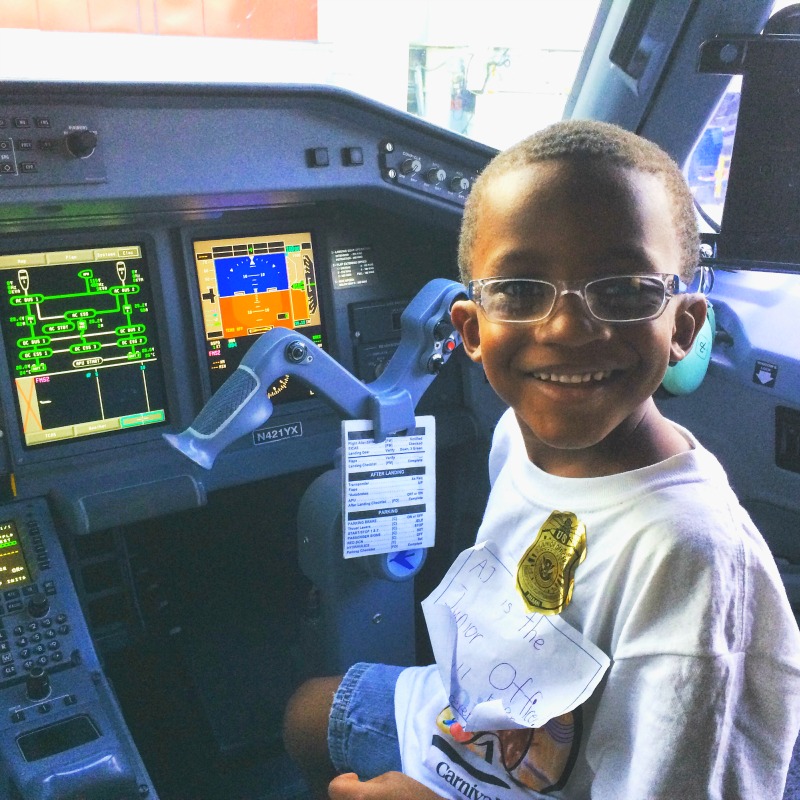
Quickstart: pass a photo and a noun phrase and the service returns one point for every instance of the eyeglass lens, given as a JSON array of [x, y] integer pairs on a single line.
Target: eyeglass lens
[[614, 299]]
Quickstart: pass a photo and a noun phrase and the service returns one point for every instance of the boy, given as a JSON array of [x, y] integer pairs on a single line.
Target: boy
[[574, 244]]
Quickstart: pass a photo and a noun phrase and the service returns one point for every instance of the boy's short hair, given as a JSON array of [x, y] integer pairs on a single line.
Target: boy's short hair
[[594, 141]]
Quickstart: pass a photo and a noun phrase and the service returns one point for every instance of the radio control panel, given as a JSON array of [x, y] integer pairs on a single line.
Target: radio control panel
[[56, 705]]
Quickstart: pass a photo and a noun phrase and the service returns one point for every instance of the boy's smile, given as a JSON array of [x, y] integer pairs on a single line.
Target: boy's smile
[[581, 388]]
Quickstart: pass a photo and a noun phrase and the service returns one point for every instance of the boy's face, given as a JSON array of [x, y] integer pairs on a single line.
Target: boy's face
[[557, 220]]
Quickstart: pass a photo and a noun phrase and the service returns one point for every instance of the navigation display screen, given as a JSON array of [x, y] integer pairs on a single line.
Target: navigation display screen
[[249, 285], [13, 567], [81, 343]]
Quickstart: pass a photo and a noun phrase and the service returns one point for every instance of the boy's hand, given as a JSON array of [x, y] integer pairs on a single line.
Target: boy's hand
[[389, 786]]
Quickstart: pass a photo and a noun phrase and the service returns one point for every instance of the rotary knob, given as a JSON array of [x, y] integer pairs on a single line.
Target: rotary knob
[[459, 184], [38, 605], [81, 144], [435, 175], [411, 166], [37, 684]]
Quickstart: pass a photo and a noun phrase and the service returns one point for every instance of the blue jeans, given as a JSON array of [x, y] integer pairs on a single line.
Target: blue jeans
[[362, 735]]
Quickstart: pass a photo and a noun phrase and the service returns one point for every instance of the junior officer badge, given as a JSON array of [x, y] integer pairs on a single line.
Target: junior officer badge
[[546, 572]]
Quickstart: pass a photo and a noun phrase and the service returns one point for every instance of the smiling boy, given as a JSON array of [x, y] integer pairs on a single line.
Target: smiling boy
[[577, 246], [581, 388]]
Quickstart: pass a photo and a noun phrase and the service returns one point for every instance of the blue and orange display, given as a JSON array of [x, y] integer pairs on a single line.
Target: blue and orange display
[[249, 285]]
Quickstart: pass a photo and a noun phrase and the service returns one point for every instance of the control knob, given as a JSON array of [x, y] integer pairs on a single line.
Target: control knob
[[411, 166], [459, 184], [37, 684], [81, 144], [38, 605], [435, 175]]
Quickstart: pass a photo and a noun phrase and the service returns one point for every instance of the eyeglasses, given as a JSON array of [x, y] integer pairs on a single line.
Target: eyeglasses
[[621, 298]]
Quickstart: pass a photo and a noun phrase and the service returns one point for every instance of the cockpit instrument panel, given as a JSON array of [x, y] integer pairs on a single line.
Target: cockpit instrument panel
[[81, 342]]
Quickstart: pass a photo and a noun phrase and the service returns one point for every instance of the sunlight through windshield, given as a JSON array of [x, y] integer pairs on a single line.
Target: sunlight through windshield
[[491, 70]]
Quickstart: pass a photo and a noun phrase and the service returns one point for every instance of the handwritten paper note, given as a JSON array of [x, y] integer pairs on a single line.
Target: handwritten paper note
[[389, 488], [504, 666]]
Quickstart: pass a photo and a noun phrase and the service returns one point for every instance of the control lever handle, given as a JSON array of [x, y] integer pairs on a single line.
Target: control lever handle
[[241, 404]]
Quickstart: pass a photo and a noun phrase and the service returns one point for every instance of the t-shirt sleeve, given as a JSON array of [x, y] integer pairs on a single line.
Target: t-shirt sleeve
[[703, 695], [669, 726]]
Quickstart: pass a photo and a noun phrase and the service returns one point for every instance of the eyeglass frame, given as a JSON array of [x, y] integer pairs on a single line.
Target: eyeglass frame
[[702, 283]]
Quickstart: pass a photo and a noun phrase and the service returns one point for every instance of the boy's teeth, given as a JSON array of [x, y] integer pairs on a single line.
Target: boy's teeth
[[583, 378]]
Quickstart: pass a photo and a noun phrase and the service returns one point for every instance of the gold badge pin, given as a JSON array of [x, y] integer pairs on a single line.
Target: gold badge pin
[[546, 573]]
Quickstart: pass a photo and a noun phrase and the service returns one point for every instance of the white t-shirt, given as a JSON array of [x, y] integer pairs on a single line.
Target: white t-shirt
[[679, 589]]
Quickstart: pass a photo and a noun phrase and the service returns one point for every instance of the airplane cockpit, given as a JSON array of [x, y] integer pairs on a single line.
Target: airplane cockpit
[[240, 440]]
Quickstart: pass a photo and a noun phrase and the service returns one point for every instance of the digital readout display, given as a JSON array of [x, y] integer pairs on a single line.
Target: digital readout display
[[13, 567], [81, 343], [249, 285]]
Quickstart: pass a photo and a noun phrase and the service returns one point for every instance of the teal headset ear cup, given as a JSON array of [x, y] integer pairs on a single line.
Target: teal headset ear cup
[[685, 376]]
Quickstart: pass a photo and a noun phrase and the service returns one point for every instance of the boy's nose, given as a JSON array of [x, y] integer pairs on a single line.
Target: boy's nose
[[571, 321]]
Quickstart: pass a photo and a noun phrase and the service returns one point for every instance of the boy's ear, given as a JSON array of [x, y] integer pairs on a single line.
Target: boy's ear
[[689, 320], [464, 316]]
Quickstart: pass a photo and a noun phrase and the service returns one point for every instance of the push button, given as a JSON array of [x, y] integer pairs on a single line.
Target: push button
[[318, 157], [352, 156]]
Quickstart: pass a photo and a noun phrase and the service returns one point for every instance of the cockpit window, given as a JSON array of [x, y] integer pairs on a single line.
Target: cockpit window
[[491, 70], [708, 165]]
